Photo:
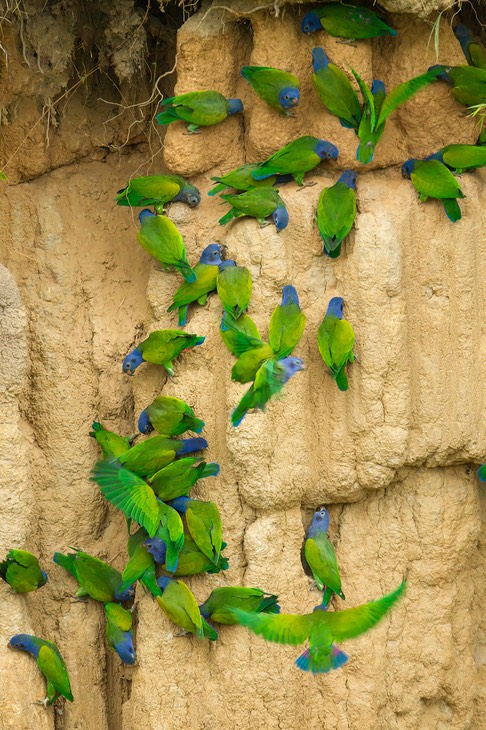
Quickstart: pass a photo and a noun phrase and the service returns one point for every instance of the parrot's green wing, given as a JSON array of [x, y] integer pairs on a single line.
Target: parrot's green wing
[[402, 93], [96, 577], [129, 493], [206, 278], [204, 523], [239, 335], [368, 100], [342, 343], [52, 665], [337, 94], [137, 564], [22, 557], [321, 558], [149, 190], [433, 179], [355, 621], [282, 628], [171, 518], [110, 443], [178, 602], [336, 211], [249, 362], [287, 324], [118, 616], [464, 156], [234, 288]]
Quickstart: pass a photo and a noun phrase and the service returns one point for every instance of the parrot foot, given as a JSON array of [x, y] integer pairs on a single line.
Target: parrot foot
[[182, 632], [348, 42], [313, 586], [263, 223], [131, 439], [80, 600], [192, 129], [290, 114], [306, 185], [43, 702]]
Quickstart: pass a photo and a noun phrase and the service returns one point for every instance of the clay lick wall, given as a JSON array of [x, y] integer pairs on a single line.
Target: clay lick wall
[[392, 458]]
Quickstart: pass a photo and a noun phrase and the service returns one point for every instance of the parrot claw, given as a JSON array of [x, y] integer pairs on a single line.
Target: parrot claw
[[306, 185], [43, 702], [264, 223], [131, 439], [348, 41], [80, 600], [313, 585], [182, 632]]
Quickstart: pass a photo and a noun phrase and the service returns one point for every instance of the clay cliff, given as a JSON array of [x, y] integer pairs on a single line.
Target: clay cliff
[[393, 458]]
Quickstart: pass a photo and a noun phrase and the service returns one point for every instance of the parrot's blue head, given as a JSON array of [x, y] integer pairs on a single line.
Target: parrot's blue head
[[125, 648], [25, 642], [311, 23], [319, 59], [126, 595], [335, 308], [326, 150], [189, 194], [408, 167], [44, 577], [145, 215], [440, 72], [462, 33], [289, 97], [320, 522], [291, 365], [289, 295], [228, 264], [132, 361], [157, 548], [348, 178], [180, 504], [280, 217], [378, 87], [212, 255], [163, 582], [235, 106], [144, 425]]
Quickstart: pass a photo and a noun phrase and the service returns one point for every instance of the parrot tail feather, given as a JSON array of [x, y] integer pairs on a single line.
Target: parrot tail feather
[[197, 425], [269, 605], [3, 568], [188, 273], [341, 378], [210, 470], [452, 209], [65, 561], [262, 173], [320, 660], [171, 557], [364, 153], [227, 218], [209, 632], [182, 316], [217, 188], [167, 116], [481, 472]]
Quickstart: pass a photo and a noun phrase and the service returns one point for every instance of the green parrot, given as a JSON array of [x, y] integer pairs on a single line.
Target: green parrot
[[112, 445], [217, 607], [240, 179], [321, 628], [50, 662], [141, 564], [151, 455], [239, 335], [96, 579], [204, 525], [335, 90], [377, 107], [468, 84], [432, 179], [160, 348], [21, 570], [206, 279], [234, 287], [156, 191], [171, 531], [249, 363], [474, 52], [119, 634], [279, 89], [287, 324], [179, 604], [269, 381], [296, 158], [336, 212], [321, 557], [198, 109], [335, 340], [259, 203], [192, 561], [161, 238], [177, 479], [346, 21], [169, 416], [460, 157], [481, 472]]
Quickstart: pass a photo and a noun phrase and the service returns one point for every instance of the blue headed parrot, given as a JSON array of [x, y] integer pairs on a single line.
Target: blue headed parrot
[[259, 203], [177, 479], [234, 286], [335, 340], [460, 157], [279, 89], [21, 570], [198, 109], [218, 606], [321, 558], [336, 212], [141, 564], [170, 416], [96, 579], [191, 560], [147, 457], [112, 445], [335, 90], [296, 158], [156, 191], [119, 635], [50, 662], [160, 348], [346, 21], [179, 604], [321, 628], [468, 84], [206, 279], [473, 51], [204, 525], [287, 324], [269, 380], [161, 238], [432, 179]]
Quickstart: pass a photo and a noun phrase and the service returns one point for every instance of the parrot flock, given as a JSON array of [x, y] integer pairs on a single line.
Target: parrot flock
[[172, 534]]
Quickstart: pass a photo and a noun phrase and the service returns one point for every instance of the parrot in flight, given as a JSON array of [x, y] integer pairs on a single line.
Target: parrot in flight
[[206, 280], [198, 109], [279, 89], [21, 570], [321, 628], [160, 348], [432, 179], [346, 20], [335, 340], [336, 213], [156, 191], [50, 662], [321, 558], [161, 238]]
